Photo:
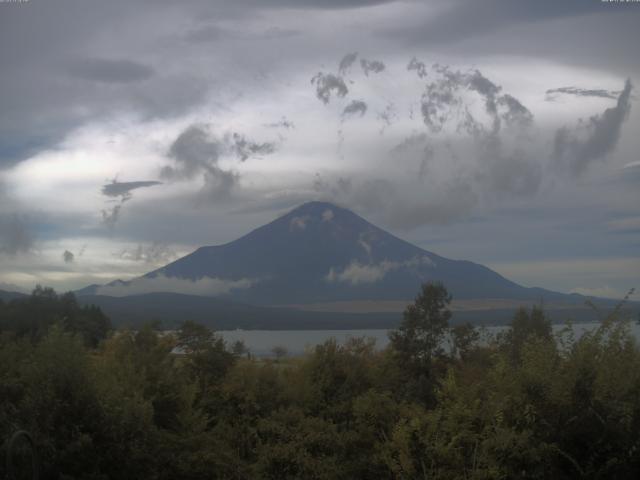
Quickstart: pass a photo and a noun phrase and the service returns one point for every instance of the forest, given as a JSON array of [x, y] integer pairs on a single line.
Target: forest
[[105, 403]]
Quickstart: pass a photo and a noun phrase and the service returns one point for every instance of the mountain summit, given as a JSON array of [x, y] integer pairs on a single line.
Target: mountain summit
[[320, 252]]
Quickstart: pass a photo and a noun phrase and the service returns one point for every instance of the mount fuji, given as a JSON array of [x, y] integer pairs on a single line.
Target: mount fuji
[[319, 253]]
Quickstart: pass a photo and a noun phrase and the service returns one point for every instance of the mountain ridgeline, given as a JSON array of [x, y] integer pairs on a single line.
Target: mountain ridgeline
[[320, 252]]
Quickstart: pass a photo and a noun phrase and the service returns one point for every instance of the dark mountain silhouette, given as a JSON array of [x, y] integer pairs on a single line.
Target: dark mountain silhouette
[[7, 296], [320, 252]]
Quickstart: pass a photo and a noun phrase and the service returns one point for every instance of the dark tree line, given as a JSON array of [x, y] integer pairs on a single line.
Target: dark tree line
[[155, 405], [33, 316]]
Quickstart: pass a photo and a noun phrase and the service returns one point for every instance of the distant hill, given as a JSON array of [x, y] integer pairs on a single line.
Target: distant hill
[[6, 296], [320, 252], [172, 308]]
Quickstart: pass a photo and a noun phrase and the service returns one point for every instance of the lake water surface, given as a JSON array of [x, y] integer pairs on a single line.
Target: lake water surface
[[261, 342]]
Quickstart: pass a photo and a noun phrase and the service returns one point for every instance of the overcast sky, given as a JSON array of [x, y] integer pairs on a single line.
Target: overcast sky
[[496, 131]]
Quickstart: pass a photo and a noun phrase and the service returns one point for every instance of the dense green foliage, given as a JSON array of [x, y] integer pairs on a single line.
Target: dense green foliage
[[33, 317], [154, 405]]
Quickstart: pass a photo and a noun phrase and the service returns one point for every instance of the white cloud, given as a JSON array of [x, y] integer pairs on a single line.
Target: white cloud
[[97, 261], [365, 245], [357, 273], [327, 215], [205, 286], [298, 223]]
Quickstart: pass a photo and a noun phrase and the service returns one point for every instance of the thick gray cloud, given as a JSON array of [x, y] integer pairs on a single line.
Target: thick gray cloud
[[356, 107], [68, 256], [136, 62], [346, 62], [244, 148], [282, 123], [110, 216], [593, 140], [468, 18], [156, 253], [439, 100], [194, 151], [501, 167], [514, 113], [419, 67], [122, 192], [443, 102], [15, 235], [402, 208], [500, 170], [489, 90], [328, 84], [124, 189], [581, 92], [415, 145], [219, 184], [455, 201], [110, 70], [117, 73], [197, 151], [576, 32], [374, 66], [507, 173], [61, 73]]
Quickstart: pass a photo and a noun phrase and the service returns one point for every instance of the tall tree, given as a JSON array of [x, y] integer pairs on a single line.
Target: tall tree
[[419, 340], [424, 325]]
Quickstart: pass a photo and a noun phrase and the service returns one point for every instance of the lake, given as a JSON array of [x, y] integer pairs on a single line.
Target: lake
[[261, 342]]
